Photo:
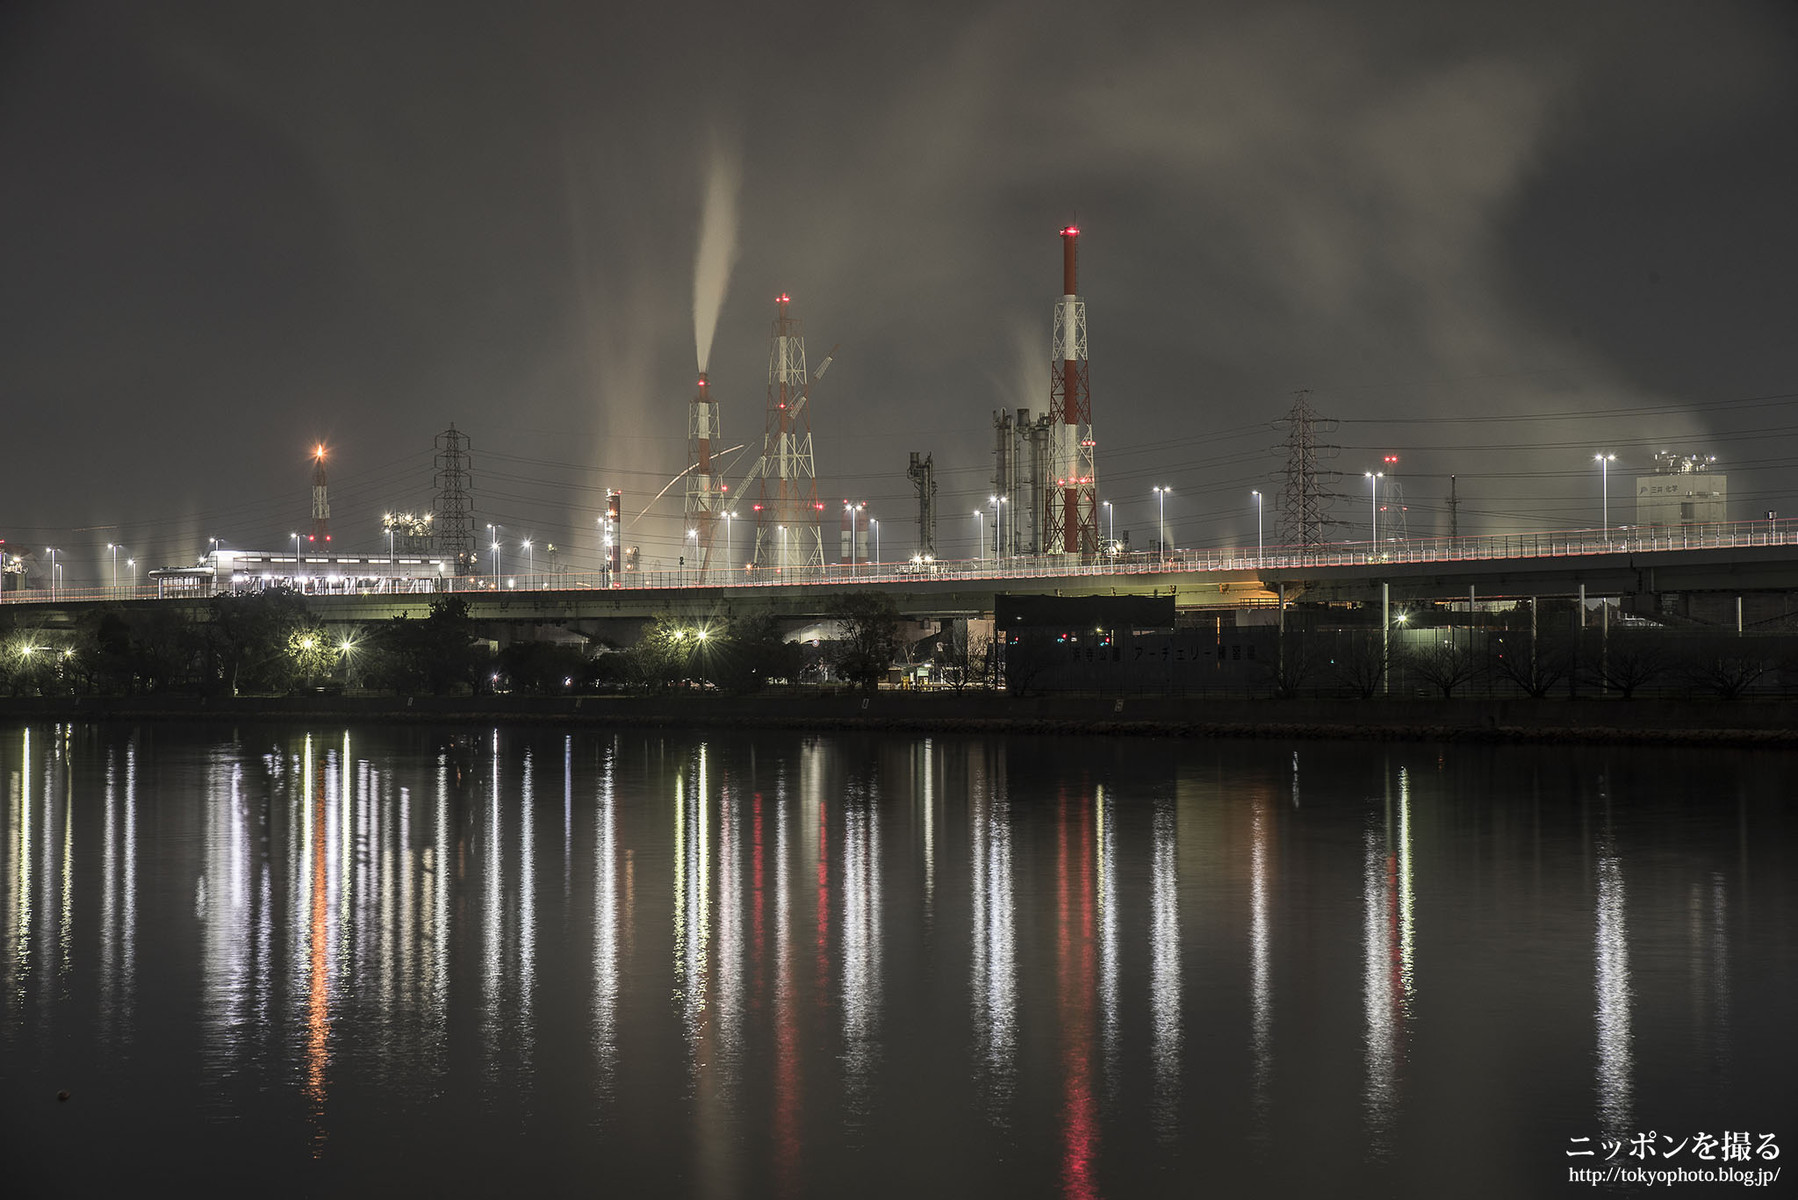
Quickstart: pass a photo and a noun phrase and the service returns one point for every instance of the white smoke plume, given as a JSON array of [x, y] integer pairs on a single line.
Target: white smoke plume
[[717, 247]]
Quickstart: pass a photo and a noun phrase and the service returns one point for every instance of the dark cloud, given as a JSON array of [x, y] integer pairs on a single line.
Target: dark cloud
[[228, 230]]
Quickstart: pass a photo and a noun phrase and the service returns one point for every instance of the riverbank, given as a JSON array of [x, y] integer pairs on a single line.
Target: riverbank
[[1655, 721]]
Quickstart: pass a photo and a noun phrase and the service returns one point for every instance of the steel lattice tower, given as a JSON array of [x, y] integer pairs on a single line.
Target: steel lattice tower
[[1071, 518], [1304, 504], [705, 488], [452, 511], [788, 529]]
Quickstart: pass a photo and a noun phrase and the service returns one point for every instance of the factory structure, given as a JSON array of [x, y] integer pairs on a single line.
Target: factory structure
[[1684, 489], [1045, 484], [1046, 491], [1045, 500]]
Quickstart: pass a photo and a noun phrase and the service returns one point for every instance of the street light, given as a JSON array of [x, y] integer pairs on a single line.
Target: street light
[[1111, 523], [51, 551], [728, 516], [296, 558], [1604, 462], [132, 563], [1258, 542], [998, 525], [390, 545], [495, 531], [530, 564], [1161, 502], [693, 536], [1373, 484], [115, 564], [980, 532], [783, 545], [874, 528]]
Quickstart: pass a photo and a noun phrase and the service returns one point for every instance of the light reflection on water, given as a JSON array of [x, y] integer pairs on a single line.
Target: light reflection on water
[[726, 966]]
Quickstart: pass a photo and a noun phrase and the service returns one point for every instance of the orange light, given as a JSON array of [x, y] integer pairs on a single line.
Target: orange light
[[320, 452]]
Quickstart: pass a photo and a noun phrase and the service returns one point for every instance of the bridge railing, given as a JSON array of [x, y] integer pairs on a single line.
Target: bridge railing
[[1137, 564]]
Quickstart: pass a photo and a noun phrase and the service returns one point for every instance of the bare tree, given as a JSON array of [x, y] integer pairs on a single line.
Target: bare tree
[[1445, 665], [1627, 662], [1297, 659], [1535, 664], [1727, 667], [1360, 661]]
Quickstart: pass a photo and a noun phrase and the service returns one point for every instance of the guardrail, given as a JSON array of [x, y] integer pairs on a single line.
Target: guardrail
[[1484, 547]]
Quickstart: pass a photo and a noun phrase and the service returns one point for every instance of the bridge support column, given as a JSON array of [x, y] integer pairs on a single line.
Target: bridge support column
[[1582, 606], [1281, 666], [1604, 642], [1532, 643], [1385, 639], [1470, 595], [1738, 614]]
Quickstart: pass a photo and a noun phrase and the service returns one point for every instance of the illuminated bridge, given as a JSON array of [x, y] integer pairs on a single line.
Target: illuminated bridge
[[1716, 568]]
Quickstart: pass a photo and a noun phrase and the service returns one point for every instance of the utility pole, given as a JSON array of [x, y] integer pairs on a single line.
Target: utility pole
[[1454, 504]]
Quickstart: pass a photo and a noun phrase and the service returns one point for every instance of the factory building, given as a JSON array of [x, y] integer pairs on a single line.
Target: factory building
[[1684, 489]]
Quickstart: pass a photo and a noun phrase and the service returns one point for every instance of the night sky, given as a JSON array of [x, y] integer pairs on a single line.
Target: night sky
[[1489, 239]]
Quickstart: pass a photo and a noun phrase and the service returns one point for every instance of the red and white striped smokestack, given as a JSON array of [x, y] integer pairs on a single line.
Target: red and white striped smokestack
[[1072, 509], [1069, 469]]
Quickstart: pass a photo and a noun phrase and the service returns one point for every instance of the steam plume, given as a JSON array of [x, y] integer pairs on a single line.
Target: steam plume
[[717, 248]]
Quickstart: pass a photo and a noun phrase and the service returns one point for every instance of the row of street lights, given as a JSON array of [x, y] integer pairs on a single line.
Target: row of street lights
[[854, 509], [997, 504]]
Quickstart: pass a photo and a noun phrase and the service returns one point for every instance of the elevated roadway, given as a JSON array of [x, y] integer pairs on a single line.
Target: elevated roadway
[[1732, 560]]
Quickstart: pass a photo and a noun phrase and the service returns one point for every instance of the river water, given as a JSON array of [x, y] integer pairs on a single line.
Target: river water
[[385, 960]]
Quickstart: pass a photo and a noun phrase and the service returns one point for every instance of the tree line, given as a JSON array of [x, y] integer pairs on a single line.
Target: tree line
[[271, 643]]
